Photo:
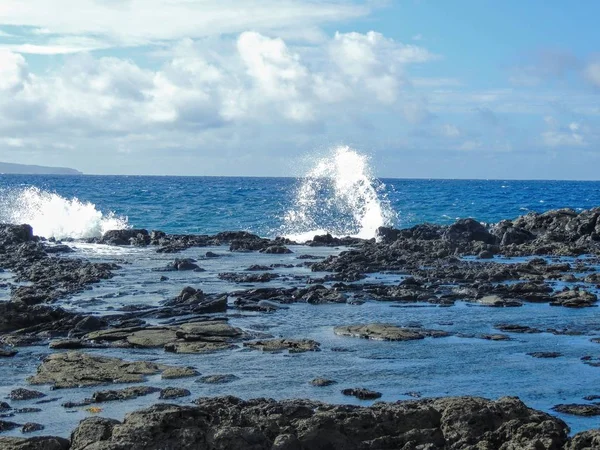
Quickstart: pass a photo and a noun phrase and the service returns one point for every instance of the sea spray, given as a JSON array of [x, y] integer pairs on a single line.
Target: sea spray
[[339, 195], [53, 216]]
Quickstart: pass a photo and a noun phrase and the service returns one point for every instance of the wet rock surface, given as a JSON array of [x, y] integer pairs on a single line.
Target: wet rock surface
[[362, 393], [578, 410], [386, 332], [73, 369], [292, 345], [437, 266]]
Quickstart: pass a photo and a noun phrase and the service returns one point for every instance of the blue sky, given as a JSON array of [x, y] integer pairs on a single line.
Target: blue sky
[[430, 89]]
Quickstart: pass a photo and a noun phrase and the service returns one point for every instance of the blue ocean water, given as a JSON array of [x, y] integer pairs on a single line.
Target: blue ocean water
[[340, 200], [213, 204]]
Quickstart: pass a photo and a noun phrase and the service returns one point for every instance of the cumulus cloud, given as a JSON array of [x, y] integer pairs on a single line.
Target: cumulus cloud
[[205, 85]]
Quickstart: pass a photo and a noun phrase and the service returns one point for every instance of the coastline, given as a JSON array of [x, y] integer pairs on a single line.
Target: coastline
[[440, 266]]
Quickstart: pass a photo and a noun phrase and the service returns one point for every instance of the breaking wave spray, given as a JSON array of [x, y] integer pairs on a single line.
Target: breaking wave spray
[[53, 216], [339, 195]]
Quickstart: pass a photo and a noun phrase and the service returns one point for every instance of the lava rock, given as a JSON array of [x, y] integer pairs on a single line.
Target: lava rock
[[362, 394]]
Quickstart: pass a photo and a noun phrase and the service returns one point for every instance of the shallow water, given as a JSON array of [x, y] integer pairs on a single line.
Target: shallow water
[[432, 367]]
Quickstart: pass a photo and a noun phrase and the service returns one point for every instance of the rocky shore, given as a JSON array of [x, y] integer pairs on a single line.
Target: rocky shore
[[548, 258]]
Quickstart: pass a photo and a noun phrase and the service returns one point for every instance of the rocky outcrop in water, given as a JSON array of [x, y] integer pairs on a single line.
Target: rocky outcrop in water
[[387, 332], [74, 369]]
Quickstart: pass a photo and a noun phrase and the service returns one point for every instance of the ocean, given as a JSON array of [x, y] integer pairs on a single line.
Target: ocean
[[339, 195]]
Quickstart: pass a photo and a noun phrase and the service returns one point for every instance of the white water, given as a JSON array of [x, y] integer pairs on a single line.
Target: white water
[[53, 216], [340, 196]]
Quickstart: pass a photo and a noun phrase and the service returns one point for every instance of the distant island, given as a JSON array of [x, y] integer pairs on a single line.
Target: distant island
[[9, 168]]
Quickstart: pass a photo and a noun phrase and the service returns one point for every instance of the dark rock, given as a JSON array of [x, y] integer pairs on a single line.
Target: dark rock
[[387, 332], [126, 237], [170, 393], [258, 268], [228, 423], [545, 354], [513, 328], [218, 379], [586, 440], [25, 394], [35, 443], [321, 382], [179, 372], [292, 345], [58, 249], [578, 410], [248, 277], [276, 249], [574, 298], [31, 427], [67, 344], [95, 430], [7, 353], [469, 230], [362, 394], [27, 410], [7, 426], [123, 394]]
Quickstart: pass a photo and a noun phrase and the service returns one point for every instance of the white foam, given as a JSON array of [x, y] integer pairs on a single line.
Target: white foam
[[53, 216], [340, 196]]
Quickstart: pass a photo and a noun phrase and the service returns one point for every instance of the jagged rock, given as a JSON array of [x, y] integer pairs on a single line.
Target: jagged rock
[[125, 237], [574, 298], [386, 332], [586, 440], [196, 300], [227, 423]]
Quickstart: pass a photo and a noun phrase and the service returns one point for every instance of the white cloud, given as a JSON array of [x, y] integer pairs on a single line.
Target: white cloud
[[13, 70], [207, 84], [139, 22], [572, 135]]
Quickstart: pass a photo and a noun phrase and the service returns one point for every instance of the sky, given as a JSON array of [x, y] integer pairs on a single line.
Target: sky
[[428, 89]]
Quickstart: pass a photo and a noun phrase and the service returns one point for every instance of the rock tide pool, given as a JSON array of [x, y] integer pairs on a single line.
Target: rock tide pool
[[464, 336]]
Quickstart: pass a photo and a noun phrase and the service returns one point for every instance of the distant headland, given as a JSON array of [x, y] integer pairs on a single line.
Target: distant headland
[[9, 168]]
